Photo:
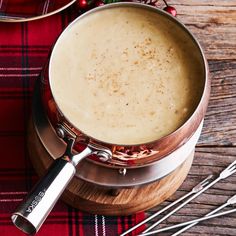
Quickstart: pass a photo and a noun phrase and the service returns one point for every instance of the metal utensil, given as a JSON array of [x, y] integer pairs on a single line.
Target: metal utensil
[[195, 189], [210, 216], [9, 12], [230, 201], [32, 212], [231, 169]]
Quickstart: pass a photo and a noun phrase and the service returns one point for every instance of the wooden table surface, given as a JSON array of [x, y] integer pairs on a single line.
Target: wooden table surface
[[214, 25]]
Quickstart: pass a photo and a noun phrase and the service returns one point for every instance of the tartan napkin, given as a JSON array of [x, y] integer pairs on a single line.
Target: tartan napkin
[[24, 49]]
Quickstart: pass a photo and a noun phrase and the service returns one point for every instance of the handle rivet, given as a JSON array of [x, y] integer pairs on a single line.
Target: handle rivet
[[60, 132], [103, 156], [122, 171]]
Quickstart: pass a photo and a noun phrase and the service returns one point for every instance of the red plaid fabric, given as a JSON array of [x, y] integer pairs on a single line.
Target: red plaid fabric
[[24, 48]]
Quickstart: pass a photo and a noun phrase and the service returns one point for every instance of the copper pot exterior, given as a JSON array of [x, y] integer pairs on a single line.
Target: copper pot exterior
[[135, 155]]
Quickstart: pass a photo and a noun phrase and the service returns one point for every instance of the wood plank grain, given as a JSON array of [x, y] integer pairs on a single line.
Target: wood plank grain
[[207, 161], [212, 22], [219, 130]]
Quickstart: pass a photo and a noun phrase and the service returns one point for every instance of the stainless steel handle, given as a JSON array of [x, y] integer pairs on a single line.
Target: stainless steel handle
[[30, 215]]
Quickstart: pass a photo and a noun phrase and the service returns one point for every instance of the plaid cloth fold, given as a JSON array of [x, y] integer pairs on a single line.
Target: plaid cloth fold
[[24, 49]]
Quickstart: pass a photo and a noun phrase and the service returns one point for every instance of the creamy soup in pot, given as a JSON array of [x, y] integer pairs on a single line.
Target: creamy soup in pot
[[126, 75]]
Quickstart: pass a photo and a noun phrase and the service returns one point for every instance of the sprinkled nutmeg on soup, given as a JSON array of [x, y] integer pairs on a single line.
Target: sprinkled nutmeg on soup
[[126, 76]]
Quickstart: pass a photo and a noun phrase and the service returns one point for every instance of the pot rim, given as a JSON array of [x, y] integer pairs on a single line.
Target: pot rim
[[177, 22]]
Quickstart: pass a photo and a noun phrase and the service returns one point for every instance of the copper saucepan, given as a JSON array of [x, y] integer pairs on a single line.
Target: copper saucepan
[[31, 214], [132, 156]]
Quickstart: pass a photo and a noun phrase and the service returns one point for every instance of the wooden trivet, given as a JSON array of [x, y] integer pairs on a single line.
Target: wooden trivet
[[97, 200]]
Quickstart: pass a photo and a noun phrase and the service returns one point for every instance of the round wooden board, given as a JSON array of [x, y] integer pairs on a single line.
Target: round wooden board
[[97, 200]]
